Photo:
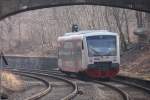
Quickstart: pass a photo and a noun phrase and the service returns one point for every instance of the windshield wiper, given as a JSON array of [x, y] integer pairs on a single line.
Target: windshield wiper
[[96, 53]]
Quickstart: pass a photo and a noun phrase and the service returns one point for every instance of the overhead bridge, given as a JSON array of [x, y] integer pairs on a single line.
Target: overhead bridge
[[11, 7]]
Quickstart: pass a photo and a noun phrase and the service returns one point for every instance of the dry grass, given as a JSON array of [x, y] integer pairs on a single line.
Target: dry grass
[[11, 81]]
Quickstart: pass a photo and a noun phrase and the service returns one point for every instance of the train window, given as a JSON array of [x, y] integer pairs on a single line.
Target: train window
[[102, 45]]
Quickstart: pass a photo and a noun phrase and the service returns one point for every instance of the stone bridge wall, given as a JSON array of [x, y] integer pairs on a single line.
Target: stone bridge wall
[[32, 62], [10, 7]]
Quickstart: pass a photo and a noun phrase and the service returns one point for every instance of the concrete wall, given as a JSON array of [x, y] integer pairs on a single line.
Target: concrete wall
[[32, 62]]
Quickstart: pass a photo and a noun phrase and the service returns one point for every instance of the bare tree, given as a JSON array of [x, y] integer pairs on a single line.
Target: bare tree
[[147, 15], [116, 14], [139, 18], [126, 24], [107, 14]]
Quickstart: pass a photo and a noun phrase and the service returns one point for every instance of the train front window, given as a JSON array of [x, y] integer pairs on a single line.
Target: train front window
[[101, 45]]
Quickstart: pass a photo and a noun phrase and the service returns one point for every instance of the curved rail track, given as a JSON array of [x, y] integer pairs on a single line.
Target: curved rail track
[[57, 73], [39, 94], [135, 91], [42, 93], [111, 84], [124, 95]]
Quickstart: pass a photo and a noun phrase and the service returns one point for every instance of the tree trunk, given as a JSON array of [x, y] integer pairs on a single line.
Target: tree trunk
[[139, 19], [127, 25], [107, 18], [116, 13]]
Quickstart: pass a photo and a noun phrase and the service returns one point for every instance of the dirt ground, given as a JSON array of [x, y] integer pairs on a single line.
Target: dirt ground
[[136, 63]]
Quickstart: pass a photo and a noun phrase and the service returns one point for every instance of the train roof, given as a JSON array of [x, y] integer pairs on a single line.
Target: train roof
[[81, 34], [91, 32]]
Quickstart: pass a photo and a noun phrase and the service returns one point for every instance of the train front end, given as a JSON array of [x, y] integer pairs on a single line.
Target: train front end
[[103, 55]]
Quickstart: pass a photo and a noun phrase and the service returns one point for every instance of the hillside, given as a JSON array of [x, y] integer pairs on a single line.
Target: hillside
[[136, 63]]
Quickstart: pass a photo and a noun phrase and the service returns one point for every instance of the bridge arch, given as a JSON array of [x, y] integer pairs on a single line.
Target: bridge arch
[[11, 7]]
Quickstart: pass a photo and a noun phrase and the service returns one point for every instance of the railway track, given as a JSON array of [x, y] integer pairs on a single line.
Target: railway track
[[122, 93], [69, 96], [127, 90], [135, 91], [39, 94], [57, 73]]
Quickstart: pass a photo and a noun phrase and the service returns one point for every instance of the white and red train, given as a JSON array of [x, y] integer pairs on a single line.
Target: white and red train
[[95, 53]]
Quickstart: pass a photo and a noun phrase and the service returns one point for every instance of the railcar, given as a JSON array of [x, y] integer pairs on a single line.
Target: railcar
[[95, 53]]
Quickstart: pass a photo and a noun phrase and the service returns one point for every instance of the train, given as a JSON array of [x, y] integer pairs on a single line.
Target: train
[[95, 53]]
